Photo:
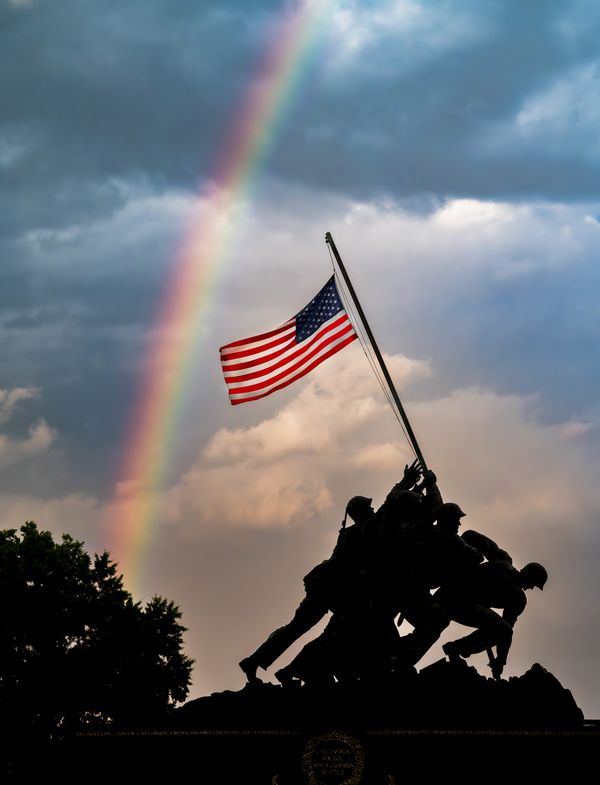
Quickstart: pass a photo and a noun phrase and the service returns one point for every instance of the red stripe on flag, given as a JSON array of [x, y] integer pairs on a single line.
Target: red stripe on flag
[[260, 337], [314, 364], [303, 352], [235, 366], [261, 362], [261, 348]]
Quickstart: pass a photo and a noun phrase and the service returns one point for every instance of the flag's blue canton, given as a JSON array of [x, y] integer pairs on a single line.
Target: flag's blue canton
[[325, 305]]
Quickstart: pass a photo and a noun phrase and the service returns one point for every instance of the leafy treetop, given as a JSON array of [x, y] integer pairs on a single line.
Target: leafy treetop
[[75, 649]]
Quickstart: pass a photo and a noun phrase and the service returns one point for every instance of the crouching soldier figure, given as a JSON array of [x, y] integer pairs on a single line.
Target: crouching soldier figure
[[494, 584]]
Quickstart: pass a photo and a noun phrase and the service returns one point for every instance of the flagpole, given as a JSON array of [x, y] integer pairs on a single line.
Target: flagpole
[[388, 378]]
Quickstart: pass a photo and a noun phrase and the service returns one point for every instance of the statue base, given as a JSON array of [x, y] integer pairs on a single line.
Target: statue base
[[338, 756], [445, 720]]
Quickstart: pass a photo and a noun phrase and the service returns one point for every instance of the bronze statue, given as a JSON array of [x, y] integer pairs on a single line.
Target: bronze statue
[[331, 581]]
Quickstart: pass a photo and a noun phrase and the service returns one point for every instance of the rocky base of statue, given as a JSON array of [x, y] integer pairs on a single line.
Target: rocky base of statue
[[443, 696], [446, 721]]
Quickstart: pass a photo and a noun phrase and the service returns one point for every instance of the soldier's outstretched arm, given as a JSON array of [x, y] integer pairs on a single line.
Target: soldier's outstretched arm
[[510, 614], [486, 546], [496, 666], [500, 660], [433, 498], [515, 608]]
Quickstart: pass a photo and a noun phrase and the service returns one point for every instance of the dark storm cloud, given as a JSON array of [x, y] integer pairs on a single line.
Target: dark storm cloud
[[423, 123], [75, 307], [506, 299], [92, 92], [543, 325], [97, 91]]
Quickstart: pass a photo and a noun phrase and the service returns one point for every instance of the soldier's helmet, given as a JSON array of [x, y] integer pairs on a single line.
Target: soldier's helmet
[[450, 510], [535, 574], [406, 503], [358, 504]]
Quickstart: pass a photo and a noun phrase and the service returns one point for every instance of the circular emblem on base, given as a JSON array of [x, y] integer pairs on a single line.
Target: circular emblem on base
[[333, 759]]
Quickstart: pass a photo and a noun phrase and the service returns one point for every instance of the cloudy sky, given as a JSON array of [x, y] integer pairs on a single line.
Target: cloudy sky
[[452, 150]]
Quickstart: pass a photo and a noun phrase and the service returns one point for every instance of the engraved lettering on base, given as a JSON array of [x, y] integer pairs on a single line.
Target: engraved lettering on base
[[333, 759]]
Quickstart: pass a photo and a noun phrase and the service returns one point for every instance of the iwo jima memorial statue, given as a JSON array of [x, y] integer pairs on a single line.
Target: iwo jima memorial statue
[[352, 704]]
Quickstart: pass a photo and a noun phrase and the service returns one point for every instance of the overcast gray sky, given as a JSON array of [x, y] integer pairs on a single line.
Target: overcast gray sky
[[452, 150]]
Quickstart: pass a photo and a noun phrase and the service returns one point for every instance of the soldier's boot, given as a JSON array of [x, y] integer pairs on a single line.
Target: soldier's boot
[[249, 667], [286, 678]]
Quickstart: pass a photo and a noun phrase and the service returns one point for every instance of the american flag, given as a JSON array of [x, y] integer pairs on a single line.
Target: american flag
[[257, 366]]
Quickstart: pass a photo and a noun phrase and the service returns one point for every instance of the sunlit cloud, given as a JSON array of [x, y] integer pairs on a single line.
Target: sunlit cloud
[[39, 439], [560, 117], [40, 436], [9, 399], [419, 31], [284, 465]]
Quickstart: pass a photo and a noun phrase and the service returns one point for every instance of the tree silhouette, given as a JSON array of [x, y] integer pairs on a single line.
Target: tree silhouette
[[76, 651]]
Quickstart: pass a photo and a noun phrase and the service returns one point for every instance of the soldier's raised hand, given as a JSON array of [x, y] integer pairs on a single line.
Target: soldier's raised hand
[[429, 479], [412, 474]]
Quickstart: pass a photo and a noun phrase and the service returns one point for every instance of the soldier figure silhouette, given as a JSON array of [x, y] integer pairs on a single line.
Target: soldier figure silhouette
[[494, 584], [387, 563], [328, 579]]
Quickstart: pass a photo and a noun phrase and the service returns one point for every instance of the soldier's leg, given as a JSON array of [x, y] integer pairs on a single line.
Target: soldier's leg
[[378, 649], [429, 620], [310, 612], [317, 662], [492, 631]]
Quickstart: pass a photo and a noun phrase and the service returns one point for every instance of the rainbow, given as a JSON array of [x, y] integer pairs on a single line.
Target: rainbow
[[153, 428]]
